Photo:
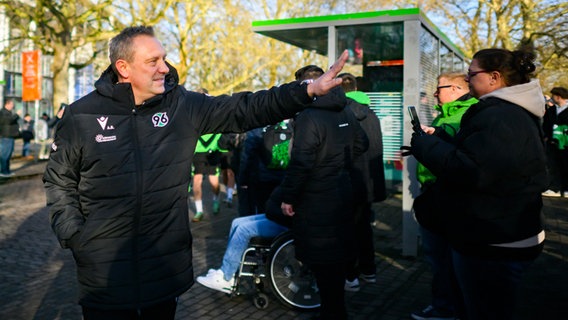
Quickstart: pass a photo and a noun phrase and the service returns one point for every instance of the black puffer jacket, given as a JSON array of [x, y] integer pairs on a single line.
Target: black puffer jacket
[[117, 182], [490, 177], [368, 173], [317, 181]]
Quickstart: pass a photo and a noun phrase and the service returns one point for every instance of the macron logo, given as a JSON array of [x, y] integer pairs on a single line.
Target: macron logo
[[102, 121]]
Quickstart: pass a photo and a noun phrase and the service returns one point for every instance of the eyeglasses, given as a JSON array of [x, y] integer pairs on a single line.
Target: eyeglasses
[[442, 87], [471, 74]]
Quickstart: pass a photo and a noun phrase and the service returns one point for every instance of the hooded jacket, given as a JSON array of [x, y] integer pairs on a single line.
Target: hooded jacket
[[491, 175], [117, 179], [317, 181]]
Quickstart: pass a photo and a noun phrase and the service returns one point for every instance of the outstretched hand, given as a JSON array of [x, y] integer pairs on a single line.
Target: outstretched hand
[[328, 80]]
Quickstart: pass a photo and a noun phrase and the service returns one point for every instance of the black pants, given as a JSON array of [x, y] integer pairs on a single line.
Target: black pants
[[365, 247], [331, 282], [163, 311]]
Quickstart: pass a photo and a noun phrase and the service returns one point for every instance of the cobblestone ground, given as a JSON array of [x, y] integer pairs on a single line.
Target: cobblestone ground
[[37, 277]]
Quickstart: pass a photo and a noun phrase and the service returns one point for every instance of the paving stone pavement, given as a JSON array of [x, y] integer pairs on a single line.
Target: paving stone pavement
[[37, 277]]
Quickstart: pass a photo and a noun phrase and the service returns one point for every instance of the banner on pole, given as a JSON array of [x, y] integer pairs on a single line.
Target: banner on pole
[[31, 76]]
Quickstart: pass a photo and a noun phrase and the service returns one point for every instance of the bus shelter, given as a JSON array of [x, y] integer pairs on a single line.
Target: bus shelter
[[397, 56]]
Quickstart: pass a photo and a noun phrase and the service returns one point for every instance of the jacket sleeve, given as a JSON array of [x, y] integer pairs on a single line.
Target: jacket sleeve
[[61, 180], [243, 111], [490, 150], [360, 141], [375, 158]]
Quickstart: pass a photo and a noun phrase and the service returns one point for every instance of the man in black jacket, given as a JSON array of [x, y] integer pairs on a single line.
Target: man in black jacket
[[316, 191], [9, 130], [117, 177]]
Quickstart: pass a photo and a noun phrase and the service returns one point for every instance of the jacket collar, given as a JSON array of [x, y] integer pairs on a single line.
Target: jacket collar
[[108, 86]]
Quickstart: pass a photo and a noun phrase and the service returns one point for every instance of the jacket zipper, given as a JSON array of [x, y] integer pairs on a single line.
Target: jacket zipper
[[138, 212]]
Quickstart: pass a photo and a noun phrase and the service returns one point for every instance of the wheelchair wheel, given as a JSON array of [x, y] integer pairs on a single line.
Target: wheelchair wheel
[[260, 301], [292, 282]]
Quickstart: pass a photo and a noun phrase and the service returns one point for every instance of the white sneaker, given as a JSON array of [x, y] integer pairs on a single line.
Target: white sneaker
[[352, 286], [370, 278], [550, 193], [215, 280]]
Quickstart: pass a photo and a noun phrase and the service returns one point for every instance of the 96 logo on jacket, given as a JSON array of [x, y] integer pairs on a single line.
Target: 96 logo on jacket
[[160, 119]]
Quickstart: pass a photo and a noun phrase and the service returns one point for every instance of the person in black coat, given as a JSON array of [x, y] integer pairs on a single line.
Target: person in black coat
[[555, 126], [368, 179], [317, 192], [9, 130], [487, 197]]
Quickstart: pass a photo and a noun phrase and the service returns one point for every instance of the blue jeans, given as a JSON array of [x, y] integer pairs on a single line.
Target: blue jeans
[[6, 150], [26, 148], [437, 253], [489, 287], [242, 230]]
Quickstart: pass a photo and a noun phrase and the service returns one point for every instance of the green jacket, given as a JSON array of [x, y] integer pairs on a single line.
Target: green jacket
[[208, 143], [560, 133], [449, 119]]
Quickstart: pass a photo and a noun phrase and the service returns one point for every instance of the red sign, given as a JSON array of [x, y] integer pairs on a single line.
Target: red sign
[[31, 76]]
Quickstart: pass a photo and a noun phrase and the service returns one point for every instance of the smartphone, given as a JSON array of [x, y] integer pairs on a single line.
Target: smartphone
[[415, 120]]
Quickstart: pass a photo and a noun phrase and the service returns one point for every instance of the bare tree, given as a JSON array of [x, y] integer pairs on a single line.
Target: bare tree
[[537, 24], [77, 28], [213, 46]]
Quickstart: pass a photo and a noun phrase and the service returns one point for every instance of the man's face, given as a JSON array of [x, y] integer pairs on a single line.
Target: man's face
[[147, 70], [557, 100], [9, 105], [446, 91]]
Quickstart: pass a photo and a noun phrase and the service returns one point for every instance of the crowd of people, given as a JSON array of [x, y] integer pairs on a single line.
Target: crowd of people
[[13, 126], [124, 156]]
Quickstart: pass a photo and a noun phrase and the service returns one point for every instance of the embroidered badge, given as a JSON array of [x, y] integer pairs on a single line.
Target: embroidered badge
[[160, 119]]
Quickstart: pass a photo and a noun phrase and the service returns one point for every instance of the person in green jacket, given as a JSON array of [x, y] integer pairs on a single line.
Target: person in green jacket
[[206, 163], [452, 93]]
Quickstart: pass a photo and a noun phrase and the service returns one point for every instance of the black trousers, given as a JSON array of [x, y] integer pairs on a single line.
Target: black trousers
[[331, 282], [365, 247], [163, 311]]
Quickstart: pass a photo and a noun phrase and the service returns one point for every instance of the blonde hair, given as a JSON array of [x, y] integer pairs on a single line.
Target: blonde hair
[[457, 78]]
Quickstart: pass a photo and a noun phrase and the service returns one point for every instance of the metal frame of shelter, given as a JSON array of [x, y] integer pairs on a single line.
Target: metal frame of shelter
[[397, 55]]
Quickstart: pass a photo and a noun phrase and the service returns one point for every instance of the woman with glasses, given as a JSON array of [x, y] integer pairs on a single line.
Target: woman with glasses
[[490, 179]]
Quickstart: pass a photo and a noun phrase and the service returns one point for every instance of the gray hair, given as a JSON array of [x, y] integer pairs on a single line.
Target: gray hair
[[120, 46]]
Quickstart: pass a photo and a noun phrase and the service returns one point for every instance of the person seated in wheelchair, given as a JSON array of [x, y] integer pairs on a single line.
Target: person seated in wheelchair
[[242, 230]]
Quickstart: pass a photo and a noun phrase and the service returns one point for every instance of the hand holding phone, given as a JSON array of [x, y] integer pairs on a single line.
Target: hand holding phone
[[415, 121]]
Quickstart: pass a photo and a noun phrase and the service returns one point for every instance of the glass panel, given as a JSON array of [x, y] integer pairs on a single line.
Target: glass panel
[[84, 81], [13, 84], [459, 65], [429, 70], [376, 55], [446, 59]]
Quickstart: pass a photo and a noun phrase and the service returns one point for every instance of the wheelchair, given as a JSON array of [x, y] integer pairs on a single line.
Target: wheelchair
[[273, 260]]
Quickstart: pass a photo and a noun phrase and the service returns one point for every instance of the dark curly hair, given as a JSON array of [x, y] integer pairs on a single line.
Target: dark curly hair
[[515, 66]]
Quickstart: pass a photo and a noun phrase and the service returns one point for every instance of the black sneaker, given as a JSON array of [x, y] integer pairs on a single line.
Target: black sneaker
[[429, 313]]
